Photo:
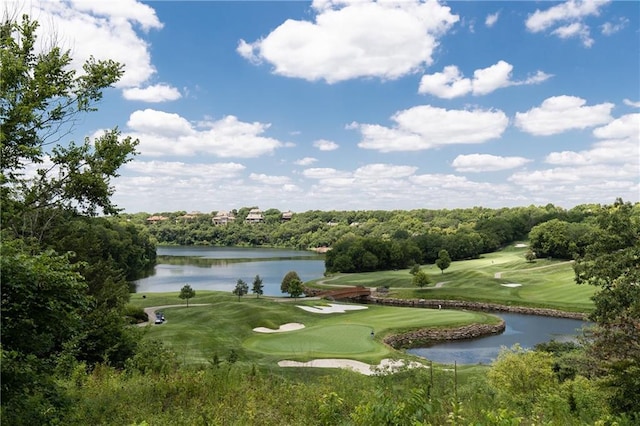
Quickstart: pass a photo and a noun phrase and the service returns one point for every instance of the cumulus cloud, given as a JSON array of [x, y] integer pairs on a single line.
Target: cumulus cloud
[[631, 103], [306, 161], [561, 113], [269, 179], [177, 169], [154, 93], [491, 19], [609, 28], [325, 145], [352, 39], [576, 29], [569, 18], [609, 166], [82, 25], [424, 127], [450, 83], [486, 163], [163, 133]]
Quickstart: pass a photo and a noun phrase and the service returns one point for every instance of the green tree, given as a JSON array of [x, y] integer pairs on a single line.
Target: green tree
[[443, 261], [530, 256], [296, 289], [186, 292], [258, 287], [414, 269], [41, 99], [612, 263], [241, 288], [521, 378], [421, 279], [287, 280]]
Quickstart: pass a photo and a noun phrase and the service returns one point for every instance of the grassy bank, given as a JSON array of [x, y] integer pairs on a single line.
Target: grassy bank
[[199, 333], [542, 283]]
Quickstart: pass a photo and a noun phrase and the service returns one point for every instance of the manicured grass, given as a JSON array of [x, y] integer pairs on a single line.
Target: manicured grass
[[545, 283], [198, 333]]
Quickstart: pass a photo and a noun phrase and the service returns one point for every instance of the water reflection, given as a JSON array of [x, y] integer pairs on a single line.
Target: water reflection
[[526, 330], [218, 268]]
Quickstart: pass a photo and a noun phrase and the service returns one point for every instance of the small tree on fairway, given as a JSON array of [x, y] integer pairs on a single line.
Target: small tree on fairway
[[257, 286], [187, 293], [530, 256], [241, 289], [286, 281], [414, 269], [421, 279], [443, 261], [295, 288]]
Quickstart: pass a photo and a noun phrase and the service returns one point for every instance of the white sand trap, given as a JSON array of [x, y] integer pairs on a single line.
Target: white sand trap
[[332, 308], [520, 245], [284, 327], [385, 366], [511, 285]]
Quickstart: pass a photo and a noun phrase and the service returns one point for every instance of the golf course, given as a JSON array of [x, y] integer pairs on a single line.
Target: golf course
[[218, 323]]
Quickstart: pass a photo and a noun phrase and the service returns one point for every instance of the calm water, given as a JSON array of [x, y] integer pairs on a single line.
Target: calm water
[[527, 330], [218, 268]]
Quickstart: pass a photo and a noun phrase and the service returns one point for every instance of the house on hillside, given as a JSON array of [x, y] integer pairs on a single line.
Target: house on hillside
[[254, 216], [286, 216], [156, 219], [189, 216], [223, 218]]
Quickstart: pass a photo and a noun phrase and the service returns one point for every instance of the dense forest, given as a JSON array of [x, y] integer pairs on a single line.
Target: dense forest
[[70, 355], [363, 241]]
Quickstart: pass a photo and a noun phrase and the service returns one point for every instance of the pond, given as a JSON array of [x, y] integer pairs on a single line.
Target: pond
[[219, 268], [526, 330]]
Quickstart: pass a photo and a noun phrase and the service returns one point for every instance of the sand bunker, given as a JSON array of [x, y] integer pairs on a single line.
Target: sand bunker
[[386, 365], [284, 327], [332, 308], [511, 285], [520, 245]]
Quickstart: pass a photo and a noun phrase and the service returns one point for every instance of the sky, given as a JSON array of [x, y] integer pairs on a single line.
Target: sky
[[363, 105]]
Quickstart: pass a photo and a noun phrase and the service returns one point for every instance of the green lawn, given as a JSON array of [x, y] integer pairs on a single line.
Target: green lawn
[[545, 283], [198, 332]]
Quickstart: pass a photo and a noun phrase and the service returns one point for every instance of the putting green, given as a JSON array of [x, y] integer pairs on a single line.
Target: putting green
[[334, 340]]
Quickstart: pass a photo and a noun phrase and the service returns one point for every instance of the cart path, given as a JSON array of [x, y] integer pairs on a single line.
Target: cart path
[[151, 311]]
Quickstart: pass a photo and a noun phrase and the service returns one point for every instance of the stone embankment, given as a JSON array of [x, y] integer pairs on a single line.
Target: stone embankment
[[475, 306], [428, 336]]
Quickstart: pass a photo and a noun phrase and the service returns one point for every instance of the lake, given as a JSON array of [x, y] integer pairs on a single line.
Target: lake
[[527, 330], [219, 268]]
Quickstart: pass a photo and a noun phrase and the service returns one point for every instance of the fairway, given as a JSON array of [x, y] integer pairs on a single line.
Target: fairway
[[543, 283], [197, 333]]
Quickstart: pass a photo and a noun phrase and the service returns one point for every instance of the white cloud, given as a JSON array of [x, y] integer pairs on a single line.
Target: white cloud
[[450, 83], [382, 171], [270, 180], [561, 113], [324, 173], [162, 133], [82, 25], [352, 39], [177, 169], [424, 127], [631, 103], [576, 29], [569, 16], [155, 93], [626, 127], [486, 163], [609, 28], [306, 161], [325, 145], [491, 19]]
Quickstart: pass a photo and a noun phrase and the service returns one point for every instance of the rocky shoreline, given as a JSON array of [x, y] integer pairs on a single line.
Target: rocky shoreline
[[475, 306], [428, 336]]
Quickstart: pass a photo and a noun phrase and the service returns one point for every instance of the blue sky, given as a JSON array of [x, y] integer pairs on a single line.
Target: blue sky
[[353, 105]]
